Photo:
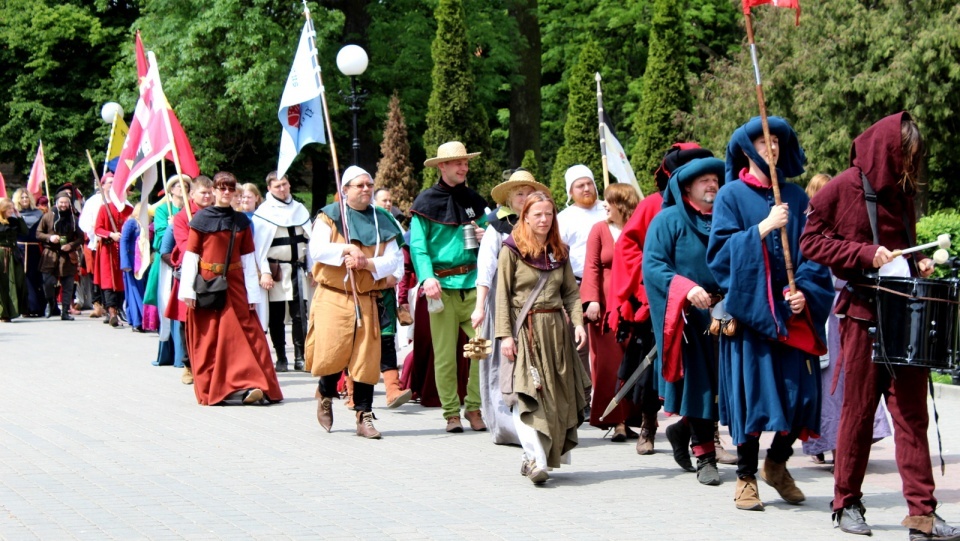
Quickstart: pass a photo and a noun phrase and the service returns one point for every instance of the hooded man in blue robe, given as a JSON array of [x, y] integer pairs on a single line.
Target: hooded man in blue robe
[[681, 289], [766, 382]]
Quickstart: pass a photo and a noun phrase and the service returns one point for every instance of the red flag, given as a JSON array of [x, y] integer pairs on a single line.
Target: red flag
[[789, 4], [38, 174], [3, 186], [155, 133]]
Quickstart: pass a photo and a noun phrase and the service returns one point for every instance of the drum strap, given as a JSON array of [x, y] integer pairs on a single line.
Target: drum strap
[[871, 197], [936, 422]]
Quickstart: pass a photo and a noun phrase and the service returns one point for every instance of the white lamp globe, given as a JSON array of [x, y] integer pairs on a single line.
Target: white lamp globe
[[352, 60], [110, 111]]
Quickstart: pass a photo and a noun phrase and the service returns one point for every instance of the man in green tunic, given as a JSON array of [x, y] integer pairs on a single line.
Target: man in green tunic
[[447, 270]]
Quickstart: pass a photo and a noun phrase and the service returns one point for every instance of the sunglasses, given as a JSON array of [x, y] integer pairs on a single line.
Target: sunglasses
[[226, 188]]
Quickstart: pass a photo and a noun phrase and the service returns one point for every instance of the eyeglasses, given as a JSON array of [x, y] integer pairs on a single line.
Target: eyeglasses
[[365, 186], [226, 188]]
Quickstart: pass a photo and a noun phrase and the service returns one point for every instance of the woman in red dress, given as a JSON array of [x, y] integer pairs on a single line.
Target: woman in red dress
[[228, 349], [605, 353]]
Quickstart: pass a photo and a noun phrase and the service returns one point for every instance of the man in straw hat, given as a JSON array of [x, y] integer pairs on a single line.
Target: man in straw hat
[[444, 237]]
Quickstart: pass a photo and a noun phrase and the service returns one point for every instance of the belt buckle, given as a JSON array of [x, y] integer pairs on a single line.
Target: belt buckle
[[216, 268]]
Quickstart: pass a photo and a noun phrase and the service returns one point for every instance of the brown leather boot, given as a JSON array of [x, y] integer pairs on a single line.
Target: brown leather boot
[[348, 386], [324, 411], [475, 418], [365, 426], [97, 310], [396, 397], [114, 318], [648, 432], [187, 377], [776, 475], [723, 457], [747, 495]]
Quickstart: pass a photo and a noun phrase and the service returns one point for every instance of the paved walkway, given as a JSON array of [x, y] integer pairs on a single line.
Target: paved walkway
[[97, 444]]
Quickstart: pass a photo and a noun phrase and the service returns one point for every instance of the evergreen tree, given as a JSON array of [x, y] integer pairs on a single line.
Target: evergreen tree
[[581, 140], [665, 92], [530, 163], [394, 170], [453, 112]]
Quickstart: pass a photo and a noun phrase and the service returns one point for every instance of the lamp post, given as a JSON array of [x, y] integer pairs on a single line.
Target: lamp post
[[352, 61]]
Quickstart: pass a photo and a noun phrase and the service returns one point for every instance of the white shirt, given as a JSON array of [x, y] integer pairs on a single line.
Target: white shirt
[[575, 224]]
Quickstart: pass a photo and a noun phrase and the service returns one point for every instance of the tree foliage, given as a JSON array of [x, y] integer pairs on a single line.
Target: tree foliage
[[453, 113], [394, 170], [847, 65], [665, 93], [581, 138], [53, 56]]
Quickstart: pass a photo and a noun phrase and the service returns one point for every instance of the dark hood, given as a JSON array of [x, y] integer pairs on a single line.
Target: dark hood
[[673, 195]]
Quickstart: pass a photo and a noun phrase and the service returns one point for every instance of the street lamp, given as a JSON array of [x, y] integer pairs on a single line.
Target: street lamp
[[352, 61]]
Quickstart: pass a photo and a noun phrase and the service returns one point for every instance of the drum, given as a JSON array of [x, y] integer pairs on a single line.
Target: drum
[[917, 322]]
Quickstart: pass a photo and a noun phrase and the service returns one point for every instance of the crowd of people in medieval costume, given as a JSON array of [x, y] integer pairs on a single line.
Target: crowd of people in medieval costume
[[723, 299]]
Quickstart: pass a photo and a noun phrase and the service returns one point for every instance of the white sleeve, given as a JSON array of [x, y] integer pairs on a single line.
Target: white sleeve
[[250, 279], [487, 257], [389, 262], [189, 267], [321, 249]]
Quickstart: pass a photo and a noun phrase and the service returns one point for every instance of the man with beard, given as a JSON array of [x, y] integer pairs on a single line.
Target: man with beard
[[62, 240], [681, 290], [281, 227], [575, 223], [448, 273]]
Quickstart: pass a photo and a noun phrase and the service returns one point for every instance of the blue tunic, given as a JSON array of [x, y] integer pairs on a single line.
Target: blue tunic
[[133, 288], [765, 385], [676, 246]]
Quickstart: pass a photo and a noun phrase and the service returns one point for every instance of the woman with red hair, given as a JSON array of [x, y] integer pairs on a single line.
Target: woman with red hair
[[535, 285]]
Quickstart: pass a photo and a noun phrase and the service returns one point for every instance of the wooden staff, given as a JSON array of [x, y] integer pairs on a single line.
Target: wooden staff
[[771, 164], [336, 166]]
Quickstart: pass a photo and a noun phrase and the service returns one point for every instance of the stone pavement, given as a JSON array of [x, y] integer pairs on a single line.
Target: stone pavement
[[95, 443]]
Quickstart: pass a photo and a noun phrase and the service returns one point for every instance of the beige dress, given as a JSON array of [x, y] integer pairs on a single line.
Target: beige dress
[[555, 410]]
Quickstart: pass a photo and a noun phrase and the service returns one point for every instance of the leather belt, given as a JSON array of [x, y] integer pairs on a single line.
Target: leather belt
[[544, 311], [454, 271], [373, 293], [217, 268]]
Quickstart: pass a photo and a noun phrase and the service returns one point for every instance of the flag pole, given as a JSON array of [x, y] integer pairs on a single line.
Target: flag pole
[[106, 157], [603, 139], [771, 165], [336, 167], [103, 198], [46, 183]]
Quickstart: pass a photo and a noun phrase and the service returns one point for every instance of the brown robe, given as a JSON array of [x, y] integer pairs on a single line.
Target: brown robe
[[53, 260], [555, 410], [334, 342]]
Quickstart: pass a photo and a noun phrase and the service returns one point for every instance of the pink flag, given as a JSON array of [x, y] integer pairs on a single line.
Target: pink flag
[[38, 174], [3, 186]]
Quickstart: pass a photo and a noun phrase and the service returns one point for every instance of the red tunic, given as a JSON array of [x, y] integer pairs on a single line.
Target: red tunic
[[181, 231], [228, 349], [627, 279], [605, 352], [106, 271]]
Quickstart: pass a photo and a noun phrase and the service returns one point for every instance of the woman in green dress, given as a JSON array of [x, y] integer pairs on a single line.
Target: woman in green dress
[[12, 281], [547, 387]]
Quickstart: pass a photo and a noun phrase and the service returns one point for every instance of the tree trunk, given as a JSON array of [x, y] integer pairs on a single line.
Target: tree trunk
[[525, 104]]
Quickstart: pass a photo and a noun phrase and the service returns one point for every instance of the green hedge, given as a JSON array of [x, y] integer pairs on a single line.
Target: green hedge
[[931, 226]]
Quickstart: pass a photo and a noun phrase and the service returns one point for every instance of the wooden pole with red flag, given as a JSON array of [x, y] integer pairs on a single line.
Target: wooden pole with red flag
[[771, 163]]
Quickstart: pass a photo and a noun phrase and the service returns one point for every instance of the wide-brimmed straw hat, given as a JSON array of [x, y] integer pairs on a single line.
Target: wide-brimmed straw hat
[[500, 192], [454, 150]]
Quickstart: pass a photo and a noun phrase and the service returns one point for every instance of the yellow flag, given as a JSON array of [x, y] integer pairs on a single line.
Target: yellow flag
[[118, 134]]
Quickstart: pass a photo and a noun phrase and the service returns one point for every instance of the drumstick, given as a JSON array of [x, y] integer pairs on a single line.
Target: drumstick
[[943, 241], [941, 256]]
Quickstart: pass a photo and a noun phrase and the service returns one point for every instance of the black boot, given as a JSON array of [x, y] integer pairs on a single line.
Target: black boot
[[678, 434], [281, 362], [707, 472], [298, 360]]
